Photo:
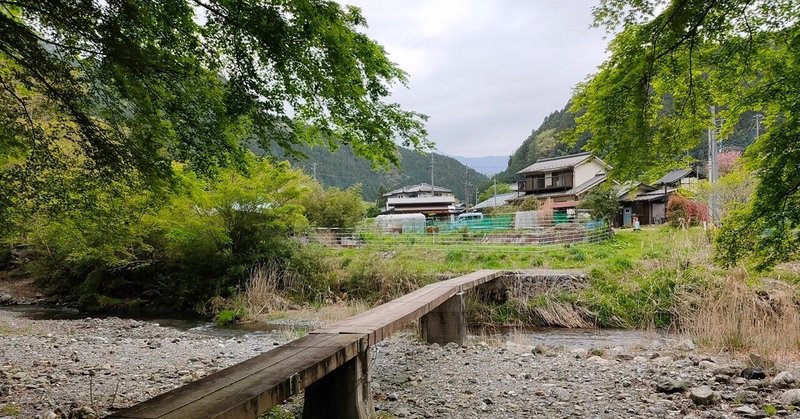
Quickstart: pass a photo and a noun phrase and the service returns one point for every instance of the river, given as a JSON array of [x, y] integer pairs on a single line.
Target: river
[[530, 336]]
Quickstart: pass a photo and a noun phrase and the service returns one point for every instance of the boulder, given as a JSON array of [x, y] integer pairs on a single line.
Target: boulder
[[703, 395], [729, 371], [670, 385], [791, 397], [754, 373], [756, 360], [686, 345], [747, 397], [784, 379], [708, 365], [6, 299]]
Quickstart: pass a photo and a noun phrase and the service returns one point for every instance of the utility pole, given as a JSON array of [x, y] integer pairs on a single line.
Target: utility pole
[[495, 192], [432, 172], [314, 168], [466, 186], [713, 167]]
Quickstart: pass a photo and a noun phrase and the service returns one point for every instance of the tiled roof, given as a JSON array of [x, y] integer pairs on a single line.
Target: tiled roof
[[623, 188], [586, 186], [422, 187], [674, 176], [502, 199], [556, 163]]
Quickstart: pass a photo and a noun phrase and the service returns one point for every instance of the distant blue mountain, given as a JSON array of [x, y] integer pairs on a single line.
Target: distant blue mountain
[[488, 165]]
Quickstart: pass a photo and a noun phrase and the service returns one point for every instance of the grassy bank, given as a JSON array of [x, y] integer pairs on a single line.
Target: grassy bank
[[660, 277], [634, 276]]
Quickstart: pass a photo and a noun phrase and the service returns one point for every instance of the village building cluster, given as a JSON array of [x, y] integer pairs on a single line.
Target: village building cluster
[[562, 181]]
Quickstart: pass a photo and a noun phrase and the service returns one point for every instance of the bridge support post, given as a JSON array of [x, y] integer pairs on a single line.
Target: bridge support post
[[445, 323], [343, 393]]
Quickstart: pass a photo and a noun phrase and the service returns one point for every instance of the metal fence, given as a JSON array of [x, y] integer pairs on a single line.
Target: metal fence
[[522, 231]]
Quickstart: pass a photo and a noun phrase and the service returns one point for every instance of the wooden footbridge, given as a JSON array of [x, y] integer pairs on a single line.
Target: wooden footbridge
[[329, 364]]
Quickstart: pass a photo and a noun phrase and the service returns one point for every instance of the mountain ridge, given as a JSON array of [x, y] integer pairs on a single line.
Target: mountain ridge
[[343, 169]]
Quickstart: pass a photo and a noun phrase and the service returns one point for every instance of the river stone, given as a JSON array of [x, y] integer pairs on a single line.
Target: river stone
[[6, 299], [754, 373], [670, 385], [562, 394], [541, 349], [784, 379], [83, 412], [702, 395], [727, 370], [791, 397], [707, 365], [745, 410], [686, 345], [598, 360], [748, 397], [756, 360]]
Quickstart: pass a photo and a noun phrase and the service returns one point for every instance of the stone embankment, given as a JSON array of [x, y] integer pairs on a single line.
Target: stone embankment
[[85, 368]]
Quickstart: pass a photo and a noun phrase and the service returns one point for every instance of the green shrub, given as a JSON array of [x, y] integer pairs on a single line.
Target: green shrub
[[603, 202], [227, 317], [197, 240]]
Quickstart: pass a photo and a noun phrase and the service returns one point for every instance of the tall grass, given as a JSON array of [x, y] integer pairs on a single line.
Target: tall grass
[[264, 290], [731, 315]]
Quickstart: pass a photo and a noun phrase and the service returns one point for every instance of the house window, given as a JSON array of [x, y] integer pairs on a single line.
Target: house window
[[538, 182], [558, 179]]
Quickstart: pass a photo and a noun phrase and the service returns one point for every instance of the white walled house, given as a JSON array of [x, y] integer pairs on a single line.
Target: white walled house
[[564, 180], [422, 199]]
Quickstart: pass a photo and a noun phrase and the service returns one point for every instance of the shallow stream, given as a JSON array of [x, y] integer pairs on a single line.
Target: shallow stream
[[554, 337]]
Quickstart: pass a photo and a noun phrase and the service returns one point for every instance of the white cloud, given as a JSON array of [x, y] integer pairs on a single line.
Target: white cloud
[[486, 72]]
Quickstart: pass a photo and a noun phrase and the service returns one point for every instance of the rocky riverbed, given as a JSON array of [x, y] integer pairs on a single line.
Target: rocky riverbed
[[88, 367], [83, 368], [665, 378]]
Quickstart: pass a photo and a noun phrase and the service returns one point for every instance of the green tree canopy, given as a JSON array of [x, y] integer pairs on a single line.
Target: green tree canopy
[[121, 86], [603, 202], [670, 62], [333, 207]]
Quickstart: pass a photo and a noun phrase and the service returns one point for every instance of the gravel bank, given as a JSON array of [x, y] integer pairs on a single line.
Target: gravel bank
[[67, 366], [86, 367], [664, 378]]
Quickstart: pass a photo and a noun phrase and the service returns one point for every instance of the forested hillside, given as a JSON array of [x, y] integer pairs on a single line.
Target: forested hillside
[[543, 142], [548, 141], [343, 169]]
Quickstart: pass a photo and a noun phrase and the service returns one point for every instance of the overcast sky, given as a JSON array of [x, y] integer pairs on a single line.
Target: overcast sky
[[487, 72]]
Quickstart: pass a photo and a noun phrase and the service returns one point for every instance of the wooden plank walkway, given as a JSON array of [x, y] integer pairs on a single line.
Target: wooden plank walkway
[[252, 387]]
